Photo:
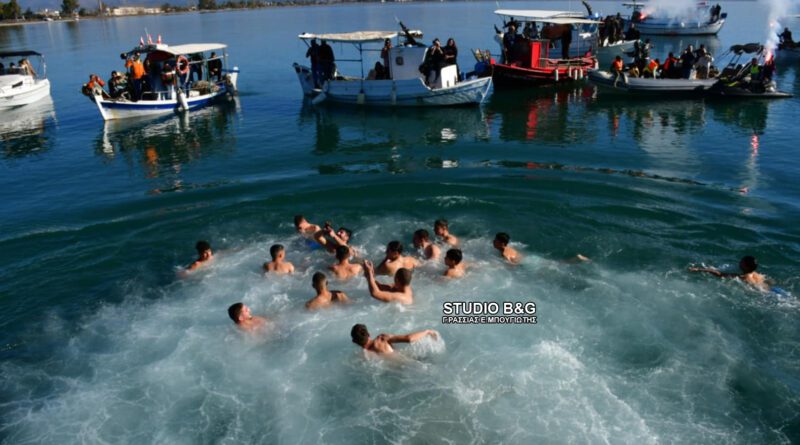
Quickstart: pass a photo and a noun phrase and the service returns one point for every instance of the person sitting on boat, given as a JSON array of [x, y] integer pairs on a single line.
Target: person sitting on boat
[[387, 48], [136, 75], [95, 86], [509, 42], [632, 33], [652, 68], [313, 55], [26, 65], [214, 67], [617, 67], [786, 40], [669, 70], [377, 73], [703, 64], [117, 84], [326, 61], [434, 60]]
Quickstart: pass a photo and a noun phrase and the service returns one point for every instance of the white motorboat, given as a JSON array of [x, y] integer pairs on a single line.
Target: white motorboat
[[406, 86], [21, 83], [200, 77], [625, 84], [701, 20]]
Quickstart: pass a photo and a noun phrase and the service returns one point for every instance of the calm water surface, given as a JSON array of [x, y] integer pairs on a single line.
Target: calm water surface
[[101, 343]]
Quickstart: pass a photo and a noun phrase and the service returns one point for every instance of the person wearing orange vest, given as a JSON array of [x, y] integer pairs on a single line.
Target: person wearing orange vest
[[137, 72], [651, 70], [617, 68], [670, 68]]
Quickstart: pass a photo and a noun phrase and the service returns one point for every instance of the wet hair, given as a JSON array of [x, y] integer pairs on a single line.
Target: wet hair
[[319, 279], [394, 246], [359, 334], [440, 223], [454, 255], [234, 311], [503, 238], [275, 250], [748, 264], [202, 246], [342, 253], [347, 231], [403, 276], [298, 219], [422, 234]]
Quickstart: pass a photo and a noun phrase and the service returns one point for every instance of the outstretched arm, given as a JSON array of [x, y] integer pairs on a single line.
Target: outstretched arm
[[714, 272], [412, 337]]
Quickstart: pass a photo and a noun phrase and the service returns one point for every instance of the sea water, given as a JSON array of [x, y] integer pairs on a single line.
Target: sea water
[[104, 342]]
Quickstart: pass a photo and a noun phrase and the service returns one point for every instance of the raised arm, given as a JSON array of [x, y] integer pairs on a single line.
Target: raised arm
[[380, 291]]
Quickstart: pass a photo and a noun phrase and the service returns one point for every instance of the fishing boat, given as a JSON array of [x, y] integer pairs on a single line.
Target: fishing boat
[[178, 78], [703, 19], [639, 86], [401, 85], [739, 78], [526, 57], [22, 83]]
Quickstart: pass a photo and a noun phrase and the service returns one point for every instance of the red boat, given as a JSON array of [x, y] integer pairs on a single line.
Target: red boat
[[534, 67]]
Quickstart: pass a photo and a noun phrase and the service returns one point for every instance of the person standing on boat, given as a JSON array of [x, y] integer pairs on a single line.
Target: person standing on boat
[[786, 39], [326, 60], [136, 74], [566, 40], [451, 54], [313, 56], [434, 60], [387, 47], [617, 68], [670, 68], [214, 67], [632, 33], [687, 62]]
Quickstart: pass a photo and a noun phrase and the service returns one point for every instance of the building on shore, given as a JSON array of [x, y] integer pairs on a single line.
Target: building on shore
[[131, 10]]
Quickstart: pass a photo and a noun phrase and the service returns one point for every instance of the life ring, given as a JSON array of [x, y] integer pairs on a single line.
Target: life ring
[[182, 65]]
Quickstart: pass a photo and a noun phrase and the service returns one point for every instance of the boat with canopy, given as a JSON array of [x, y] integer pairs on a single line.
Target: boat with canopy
[[21, 81], [401, 85], [177, 78]]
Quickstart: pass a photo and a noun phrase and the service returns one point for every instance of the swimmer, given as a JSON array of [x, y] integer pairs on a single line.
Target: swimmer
[[441, 229], [395, 260], [400, 291], [329, 239], [455, 267], [304, 227], [382, 344], [500, 242], [204, 255], [240, 314], [343, 269], [422, 240], [748, 265], [324, 297], [278, 265]]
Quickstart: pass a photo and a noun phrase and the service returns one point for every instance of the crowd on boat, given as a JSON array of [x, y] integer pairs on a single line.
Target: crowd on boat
[[22, 68], [692, 64]]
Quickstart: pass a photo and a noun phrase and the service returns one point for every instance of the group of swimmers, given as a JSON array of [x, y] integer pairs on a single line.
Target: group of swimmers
[[394, 264], [398, 266]]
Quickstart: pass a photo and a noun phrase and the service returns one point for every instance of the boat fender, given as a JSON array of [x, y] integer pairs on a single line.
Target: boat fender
[[361, 98], [319, 98], [569, 72], [580, 74], [556, 71], [394, 94], [183, 104], [182, 65]]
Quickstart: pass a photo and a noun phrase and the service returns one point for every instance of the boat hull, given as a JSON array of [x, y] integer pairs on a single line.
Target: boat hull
[[679, 28], [29, 93], [636, 86], [511, 75], [788, 54], [394, 93]]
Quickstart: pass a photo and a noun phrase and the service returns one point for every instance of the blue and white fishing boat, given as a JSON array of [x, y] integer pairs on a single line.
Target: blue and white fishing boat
[[178, 79], [701, 20], [20, 82], [405, 87]]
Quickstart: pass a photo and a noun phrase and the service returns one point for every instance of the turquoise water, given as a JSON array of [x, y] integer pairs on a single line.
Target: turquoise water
[[103, 343]]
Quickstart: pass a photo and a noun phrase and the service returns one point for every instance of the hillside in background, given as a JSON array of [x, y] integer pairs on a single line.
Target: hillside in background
[[36, 5]]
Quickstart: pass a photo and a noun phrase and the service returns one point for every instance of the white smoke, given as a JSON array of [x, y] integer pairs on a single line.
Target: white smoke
[[676, 9], [778, 10]]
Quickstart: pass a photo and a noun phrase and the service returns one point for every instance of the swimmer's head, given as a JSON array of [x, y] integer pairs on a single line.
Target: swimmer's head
[[394, 249], [319, 281], [501, 240], [299, 219], [342, 253], [345, 233], [238, 312], [453, 257], [203, 249], [276, 250], [420, 236], [402, 277], [440, 227], [360, 335], [748, 264]]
